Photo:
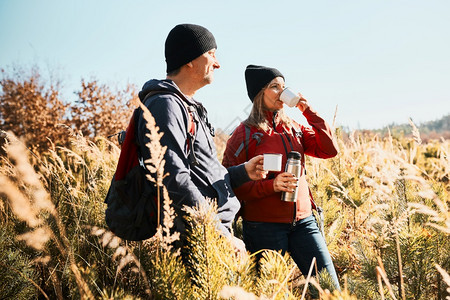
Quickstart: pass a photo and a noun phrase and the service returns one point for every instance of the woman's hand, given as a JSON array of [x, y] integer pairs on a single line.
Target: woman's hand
[[255, 168], [302, 103], [239, 247], [285, 182]]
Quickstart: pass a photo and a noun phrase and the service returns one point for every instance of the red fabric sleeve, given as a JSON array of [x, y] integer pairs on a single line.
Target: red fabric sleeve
[[318, 141]]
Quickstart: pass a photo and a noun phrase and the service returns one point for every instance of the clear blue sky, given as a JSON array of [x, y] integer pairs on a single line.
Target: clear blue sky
[[379, 61]]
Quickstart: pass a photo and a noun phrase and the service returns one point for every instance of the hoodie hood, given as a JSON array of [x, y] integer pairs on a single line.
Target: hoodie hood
[[160, 85], [169, 85]]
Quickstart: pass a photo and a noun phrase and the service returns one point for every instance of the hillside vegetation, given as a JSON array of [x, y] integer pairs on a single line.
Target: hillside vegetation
[[430, 130]]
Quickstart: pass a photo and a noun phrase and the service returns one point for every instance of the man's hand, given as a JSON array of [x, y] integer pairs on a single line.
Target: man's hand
[[255, 169]]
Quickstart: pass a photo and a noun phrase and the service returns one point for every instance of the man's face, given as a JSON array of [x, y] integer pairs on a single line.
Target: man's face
[[204, 66]]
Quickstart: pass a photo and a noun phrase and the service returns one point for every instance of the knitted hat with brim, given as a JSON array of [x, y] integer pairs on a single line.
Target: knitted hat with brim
[[185, 43], [256, 77]]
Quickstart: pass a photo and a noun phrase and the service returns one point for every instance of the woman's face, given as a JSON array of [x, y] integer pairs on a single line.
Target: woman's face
[[272, 93]]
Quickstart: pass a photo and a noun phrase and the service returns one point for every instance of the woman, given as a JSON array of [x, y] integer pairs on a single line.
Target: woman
[[269, 222]]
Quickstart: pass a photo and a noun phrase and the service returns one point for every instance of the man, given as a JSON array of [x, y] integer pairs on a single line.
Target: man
[[195, 173]]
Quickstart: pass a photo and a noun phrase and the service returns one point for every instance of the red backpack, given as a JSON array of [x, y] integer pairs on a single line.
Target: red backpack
[[133, 210]]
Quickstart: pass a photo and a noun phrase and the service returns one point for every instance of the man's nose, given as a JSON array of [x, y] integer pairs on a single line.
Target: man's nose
[[216, 63]]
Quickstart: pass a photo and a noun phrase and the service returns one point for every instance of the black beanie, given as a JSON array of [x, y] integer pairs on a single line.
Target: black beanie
[[185, 43], [256, 77]]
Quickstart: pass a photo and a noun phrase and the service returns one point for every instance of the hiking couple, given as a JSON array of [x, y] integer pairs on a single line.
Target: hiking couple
[[195, 173]]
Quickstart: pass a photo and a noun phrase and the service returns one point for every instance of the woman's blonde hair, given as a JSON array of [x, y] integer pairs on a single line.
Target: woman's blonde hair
[[257, 117]]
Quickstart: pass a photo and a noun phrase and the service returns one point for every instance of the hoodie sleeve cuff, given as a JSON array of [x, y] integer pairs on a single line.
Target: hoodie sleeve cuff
[[238, 175]]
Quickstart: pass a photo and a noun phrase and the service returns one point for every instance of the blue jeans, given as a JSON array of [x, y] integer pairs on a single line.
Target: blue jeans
[[303, 241]]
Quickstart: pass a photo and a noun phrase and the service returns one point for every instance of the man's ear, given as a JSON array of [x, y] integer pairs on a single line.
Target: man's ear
[[189, 64]]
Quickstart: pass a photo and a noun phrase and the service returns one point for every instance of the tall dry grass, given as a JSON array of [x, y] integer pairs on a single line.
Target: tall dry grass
[[386, 225], [371, 193]]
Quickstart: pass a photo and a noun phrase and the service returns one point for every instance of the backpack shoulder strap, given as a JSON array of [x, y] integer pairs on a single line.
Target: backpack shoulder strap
[[191, 131], [192, 120], [247, 140], [192, 115], [245, 145]]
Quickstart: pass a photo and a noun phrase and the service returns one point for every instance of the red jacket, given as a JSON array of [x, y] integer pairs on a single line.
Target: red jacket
[[260, 203]]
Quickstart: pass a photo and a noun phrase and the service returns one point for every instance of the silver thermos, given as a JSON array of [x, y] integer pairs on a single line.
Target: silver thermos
[[293, 166]]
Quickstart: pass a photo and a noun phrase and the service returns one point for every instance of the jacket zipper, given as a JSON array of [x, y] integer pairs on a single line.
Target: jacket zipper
[[281, 136], [295, 212]]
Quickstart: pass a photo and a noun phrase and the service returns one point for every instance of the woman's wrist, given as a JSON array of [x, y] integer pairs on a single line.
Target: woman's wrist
[[302, 104]]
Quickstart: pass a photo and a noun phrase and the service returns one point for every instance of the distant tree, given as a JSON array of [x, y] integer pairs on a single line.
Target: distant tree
[[98, 111], [431, 130], [440, 125], [31, 108]]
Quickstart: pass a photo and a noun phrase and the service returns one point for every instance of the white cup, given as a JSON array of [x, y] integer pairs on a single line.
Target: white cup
[[272, 161], [289, 97]]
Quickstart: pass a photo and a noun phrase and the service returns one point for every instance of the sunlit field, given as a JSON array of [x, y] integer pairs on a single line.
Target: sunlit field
[[385, 199]]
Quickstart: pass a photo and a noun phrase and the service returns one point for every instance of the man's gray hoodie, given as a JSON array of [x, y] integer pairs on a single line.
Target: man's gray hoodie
[[189, 184]]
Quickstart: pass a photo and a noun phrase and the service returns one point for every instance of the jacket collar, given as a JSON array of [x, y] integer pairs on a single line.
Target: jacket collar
[[273, 119]]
